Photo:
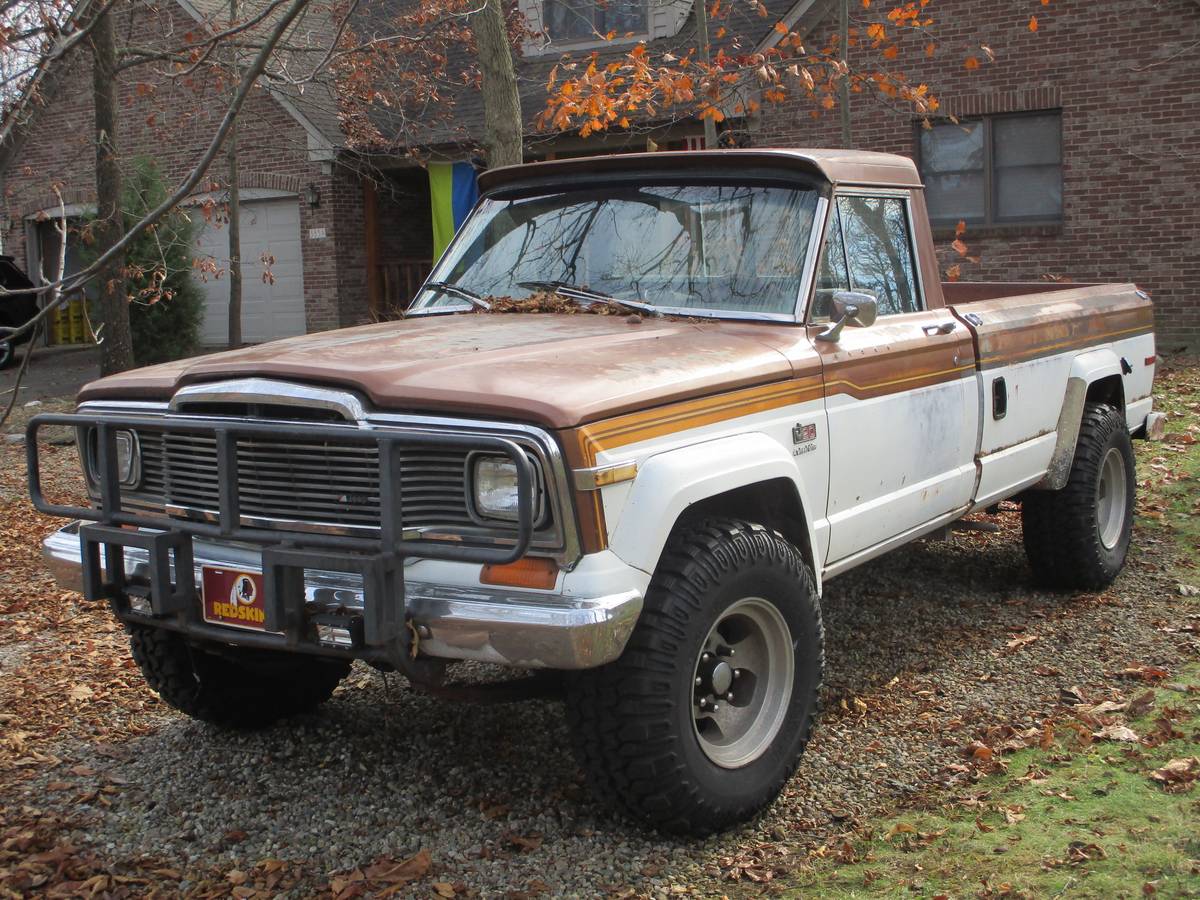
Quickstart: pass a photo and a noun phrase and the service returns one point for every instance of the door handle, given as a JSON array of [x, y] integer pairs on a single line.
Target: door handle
[[944, 328]]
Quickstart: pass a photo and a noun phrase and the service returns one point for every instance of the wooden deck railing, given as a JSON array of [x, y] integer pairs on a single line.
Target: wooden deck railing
[[398, 282]]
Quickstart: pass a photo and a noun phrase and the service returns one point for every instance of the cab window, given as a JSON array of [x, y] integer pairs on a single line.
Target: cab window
[[832, 275], [868, 248]]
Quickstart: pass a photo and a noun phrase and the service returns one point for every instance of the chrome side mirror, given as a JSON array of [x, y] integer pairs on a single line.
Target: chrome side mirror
[[850, 308]]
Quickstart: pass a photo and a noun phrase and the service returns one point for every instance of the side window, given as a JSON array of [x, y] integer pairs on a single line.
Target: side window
[[831, 270], [879, 251]]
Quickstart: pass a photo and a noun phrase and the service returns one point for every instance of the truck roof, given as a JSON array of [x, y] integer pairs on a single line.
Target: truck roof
[[857, 167]]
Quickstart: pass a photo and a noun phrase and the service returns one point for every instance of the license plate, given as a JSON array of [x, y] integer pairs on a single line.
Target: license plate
[[233, 597]]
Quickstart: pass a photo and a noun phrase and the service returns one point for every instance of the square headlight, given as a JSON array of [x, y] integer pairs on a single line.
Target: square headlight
[[129, 457], [494, 489]]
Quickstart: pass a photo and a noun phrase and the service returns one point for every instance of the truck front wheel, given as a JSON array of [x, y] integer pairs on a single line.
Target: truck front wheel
[[706, 714], [249, 690], [1077, 537]]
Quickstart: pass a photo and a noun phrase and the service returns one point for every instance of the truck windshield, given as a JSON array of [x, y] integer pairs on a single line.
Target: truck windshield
[[707, 248]]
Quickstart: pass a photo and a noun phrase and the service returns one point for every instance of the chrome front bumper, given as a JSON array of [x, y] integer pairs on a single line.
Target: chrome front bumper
[[491, 624]]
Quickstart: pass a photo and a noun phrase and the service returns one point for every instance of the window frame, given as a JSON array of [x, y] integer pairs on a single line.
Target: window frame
[[592, 42], [990, 200], [831, 215]]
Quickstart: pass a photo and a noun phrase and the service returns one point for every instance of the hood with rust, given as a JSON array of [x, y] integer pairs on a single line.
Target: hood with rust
[[554, 370]]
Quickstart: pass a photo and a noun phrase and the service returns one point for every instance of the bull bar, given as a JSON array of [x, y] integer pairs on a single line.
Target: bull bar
[[565, 631]]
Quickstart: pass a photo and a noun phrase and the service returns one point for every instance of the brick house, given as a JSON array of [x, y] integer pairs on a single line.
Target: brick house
[[1069, 159], [1076, 149], [298, 203]]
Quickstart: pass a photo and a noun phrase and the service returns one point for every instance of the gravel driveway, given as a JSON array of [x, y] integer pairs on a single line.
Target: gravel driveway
[[927, 648]]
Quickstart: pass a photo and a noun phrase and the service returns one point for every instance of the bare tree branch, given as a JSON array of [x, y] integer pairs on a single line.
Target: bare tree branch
[[66, 285]]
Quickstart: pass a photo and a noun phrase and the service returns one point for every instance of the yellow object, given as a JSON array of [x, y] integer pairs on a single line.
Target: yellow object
[[75, 317], [59, 330]]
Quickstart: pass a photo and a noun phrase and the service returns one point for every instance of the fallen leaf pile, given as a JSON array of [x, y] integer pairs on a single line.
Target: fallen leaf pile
[[1178, 775]]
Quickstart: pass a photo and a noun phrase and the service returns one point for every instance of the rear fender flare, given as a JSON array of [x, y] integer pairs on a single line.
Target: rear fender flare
[[669, 482], [1087, 369]]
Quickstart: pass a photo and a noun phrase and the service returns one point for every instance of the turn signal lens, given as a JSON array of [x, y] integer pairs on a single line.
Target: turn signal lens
[[527, 572]]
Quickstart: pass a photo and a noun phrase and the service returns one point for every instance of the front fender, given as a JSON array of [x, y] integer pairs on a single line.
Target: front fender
[[669, 482]]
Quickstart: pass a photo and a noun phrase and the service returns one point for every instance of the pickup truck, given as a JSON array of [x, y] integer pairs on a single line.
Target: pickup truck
[[645, 407]]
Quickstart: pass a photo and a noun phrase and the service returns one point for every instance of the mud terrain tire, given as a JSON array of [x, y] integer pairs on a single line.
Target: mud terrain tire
[[1077, 537], [223, 690], [638, 724]]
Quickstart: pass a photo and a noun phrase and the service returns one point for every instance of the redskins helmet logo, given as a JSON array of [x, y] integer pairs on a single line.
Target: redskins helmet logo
[[243, 592]]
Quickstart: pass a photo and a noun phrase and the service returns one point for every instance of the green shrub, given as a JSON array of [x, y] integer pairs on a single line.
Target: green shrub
[[166, 305]]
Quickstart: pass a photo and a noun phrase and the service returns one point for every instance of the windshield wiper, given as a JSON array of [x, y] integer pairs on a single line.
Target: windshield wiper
[[461, 292], [567, 289]]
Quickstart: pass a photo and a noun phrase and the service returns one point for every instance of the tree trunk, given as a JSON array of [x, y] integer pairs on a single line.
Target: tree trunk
[[116, 348], [235, 244], [235, 217], [502, 137]]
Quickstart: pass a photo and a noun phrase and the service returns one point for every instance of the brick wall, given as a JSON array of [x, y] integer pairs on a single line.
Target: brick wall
[[172, 121], [1127, 85]]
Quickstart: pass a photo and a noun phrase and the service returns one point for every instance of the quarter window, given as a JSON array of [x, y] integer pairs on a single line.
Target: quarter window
[[995, 170], [869, 249], [567, 21]]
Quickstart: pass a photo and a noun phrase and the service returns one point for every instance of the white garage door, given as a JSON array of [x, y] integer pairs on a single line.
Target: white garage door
[[269, 310]]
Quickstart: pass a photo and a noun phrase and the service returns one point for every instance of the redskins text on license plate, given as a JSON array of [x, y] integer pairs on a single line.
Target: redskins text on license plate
[[233, 597]]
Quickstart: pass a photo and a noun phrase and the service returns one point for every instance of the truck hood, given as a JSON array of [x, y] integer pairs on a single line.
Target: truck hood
[[552, 369]]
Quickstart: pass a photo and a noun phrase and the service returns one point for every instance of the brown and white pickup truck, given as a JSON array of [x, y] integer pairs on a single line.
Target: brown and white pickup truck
[[772, 386]]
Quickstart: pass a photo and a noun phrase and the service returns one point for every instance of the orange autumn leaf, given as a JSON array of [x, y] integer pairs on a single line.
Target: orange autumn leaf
[[891, 52], [954, 272], [781, 28], [970, 63], [1033, 25], [930, 49], [960, 229], [959, 247]]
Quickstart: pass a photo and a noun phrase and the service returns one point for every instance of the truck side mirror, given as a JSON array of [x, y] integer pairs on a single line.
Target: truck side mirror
[[850, 308]]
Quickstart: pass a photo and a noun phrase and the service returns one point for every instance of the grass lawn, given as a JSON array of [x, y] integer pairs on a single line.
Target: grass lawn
[[1103, 801], [1071, 815]]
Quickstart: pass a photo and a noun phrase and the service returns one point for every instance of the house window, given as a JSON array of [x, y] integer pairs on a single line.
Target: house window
[[568, 21], [994, 171]]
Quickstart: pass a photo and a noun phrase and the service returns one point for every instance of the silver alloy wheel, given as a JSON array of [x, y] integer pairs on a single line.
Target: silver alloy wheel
[[1112, 498], [742, 683]]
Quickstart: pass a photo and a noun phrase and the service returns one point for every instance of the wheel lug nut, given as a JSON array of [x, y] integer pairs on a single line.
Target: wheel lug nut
[[729, 696], [737, 673], [699, 681], [706, 656], [715, 707]]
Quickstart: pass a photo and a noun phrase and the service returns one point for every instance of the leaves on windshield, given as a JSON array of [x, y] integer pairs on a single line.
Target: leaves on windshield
[[551, 302]]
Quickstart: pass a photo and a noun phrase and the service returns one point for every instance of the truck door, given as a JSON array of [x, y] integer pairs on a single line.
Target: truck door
[[899, 394]]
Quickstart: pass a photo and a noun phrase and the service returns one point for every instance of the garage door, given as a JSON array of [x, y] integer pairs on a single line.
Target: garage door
[[269, 311]]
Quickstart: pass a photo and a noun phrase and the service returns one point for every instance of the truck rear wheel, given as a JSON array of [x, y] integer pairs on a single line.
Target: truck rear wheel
[[1077, 537], [706, 714], [248, 692]]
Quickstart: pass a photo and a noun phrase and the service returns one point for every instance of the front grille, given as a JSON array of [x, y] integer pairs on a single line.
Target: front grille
[[303, 482]]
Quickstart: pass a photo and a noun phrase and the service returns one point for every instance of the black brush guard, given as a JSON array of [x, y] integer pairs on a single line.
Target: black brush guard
[[175, 602]]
